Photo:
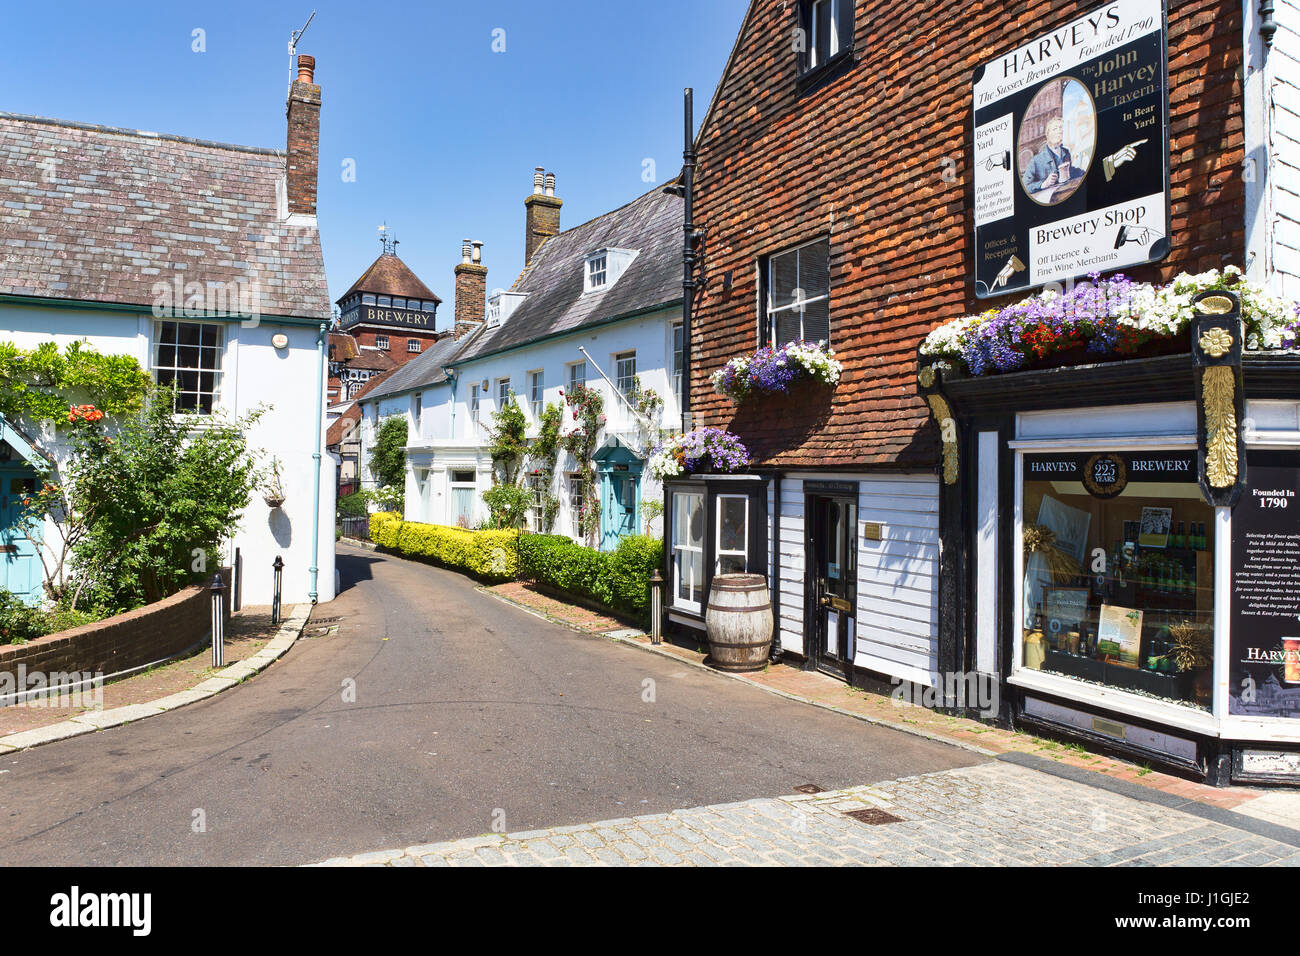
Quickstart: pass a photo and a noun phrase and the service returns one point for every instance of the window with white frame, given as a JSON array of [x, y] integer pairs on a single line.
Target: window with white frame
[[797, 295], [535, 392], [577, 485], [577, 374], [473, 403], [381, 342], [733, 534], [679, 356], [412, 345], [503, 393], [597, 270], [464, 487], [187, 355], [537, 507], [688, 549], [417, 412], [625, 372]]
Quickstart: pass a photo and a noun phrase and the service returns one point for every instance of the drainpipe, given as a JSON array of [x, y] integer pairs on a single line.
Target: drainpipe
[[315, 454], [688, 252]]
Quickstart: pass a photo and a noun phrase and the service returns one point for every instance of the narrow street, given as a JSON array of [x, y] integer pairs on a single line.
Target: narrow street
[[469, 716]]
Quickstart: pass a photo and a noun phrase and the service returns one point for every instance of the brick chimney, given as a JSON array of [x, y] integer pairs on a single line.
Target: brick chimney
[[471, 289], [542, 218], [304, 138]]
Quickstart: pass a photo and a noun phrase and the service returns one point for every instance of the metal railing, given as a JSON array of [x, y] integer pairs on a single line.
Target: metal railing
[[354, 527]]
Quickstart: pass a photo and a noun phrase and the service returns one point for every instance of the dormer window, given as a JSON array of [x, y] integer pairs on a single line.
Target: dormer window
[[597, 269], [604, 266]]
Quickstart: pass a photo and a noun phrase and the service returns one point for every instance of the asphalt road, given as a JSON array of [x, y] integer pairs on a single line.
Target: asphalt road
[[469, 715]]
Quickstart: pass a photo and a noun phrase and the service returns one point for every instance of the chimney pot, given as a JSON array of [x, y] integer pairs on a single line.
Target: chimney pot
[[478, 251], [306, 68], [550, 184], [539, 179], [465, 250]]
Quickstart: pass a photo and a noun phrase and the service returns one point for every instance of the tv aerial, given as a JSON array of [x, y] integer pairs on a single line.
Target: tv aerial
[[294, 37]]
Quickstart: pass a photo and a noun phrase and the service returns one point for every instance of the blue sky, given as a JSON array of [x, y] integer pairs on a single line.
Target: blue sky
[[444, 131]]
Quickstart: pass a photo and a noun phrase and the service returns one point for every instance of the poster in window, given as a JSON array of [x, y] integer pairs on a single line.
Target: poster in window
[[1154, 531], [1119, 634], [1064, 609], [1071, 150], [1069, 524], [1264, 671]]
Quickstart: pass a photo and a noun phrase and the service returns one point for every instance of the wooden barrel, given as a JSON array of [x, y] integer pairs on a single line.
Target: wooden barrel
[[739, 622]]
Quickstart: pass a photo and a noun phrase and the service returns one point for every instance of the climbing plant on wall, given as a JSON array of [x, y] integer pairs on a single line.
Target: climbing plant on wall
[[388, 463], [41, 384], [588, 407], [507, 501]]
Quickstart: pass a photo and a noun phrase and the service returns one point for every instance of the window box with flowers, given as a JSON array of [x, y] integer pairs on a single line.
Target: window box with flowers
[[773, 371]]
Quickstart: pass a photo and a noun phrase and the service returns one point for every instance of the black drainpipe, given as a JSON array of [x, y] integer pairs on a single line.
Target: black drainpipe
[[688, 253]]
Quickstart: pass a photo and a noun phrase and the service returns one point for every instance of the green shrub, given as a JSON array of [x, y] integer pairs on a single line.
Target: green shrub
[[353, 505], [20, 623], [489, 555], [618, 579]]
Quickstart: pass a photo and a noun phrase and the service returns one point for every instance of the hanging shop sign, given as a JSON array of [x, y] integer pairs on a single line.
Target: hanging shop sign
[[1264, 676], [1071, 151]]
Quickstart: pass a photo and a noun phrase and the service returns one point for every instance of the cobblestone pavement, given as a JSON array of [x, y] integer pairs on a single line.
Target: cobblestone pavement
[[992, 814]]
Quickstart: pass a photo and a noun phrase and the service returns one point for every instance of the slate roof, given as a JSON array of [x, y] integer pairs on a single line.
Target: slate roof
[[651, 224], [100, 214], [424, 369], [389, 275]]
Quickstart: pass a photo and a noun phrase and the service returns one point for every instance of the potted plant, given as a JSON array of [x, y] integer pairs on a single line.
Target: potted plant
[[273, 491]]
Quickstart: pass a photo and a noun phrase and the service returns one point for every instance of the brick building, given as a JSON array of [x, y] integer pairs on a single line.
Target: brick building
[[835, 199]]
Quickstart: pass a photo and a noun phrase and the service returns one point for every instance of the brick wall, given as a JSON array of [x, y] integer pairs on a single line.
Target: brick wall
[[864, 158], [138, 637], [471, 296], [303, 146]]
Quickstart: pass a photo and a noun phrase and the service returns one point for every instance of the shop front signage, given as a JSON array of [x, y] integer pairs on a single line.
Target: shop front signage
[[401, 318], [1264, 675], [1070, 151], [1107, 474]]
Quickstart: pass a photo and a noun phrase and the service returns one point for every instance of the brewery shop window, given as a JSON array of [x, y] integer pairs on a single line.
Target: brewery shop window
[[796, 295], [688, 549], [412, 345], [733, 534], [826, 31], [187, 355], [1118, 572]]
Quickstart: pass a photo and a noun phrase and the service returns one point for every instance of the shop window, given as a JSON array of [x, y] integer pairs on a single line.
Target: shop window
[[733, 534], [796, 295], [688, 549], [1118, 585]]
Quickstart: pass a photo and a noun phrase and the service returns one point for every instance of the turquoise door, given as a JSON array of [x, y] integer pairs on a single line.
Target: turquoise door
[[20, 567], [620, 506]]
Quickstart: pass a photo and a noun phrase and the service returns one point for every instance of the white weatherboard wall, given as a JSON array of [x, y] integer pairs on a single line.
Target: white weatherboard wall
[[255, 373], [898, 590]]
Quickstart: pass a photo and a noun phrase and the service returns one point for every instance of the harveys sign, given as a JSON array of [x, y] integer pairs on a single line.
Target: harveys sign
[[1107, 474]]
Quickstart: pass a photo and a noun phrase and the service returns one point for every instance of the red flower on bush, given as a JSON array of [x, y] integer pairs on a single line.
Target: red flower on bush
[[85, 413]]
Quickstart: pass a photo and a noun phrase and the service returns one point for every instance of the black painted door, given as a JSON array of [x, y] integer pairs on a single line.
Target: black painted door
[[833, 564]]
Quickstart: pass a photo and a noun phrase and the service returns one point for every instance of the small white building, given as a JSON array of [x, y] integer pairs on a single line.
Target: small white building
[[597, 305], [203, 261]]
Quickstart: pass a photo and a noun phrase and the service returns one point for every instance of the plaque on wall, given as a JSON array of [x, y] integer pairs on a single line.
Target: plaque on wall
[[1071, 151], [1264, 671]]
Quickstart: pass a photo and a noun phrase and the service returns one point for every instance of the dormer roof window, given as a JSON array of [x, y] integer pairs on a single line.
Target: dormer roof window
[[604, 266]]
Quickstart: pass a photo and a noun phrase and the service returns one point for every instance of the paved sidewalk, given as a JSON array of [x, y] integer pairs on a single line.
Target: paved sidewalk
[[997, 813]]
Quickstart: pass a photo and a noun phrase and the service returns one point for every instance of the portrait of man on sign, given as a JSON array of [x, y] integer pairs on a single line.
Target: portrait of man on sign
[[1057, 138]]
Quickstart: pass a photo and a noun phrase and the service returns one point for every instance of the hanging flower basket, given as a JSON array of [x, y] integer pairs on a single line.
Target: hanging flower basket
[[771, 370], [702, 450], [1105, 319]]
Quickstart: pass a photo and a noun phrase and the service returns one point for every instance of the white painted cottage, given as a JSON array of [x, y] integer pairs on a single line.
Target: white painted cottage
[[203, 261], [598, 305]]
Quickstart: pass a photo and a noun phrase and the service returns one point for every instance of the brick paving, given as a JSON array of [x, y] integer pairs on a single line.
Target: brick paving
[[993, 814]]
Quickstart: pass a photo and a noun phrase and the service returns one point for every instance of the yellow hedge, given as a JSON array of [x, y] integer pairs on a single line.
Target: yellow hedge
[[490, 555]]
